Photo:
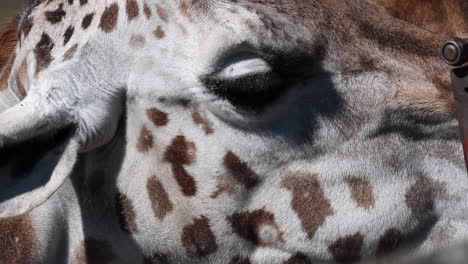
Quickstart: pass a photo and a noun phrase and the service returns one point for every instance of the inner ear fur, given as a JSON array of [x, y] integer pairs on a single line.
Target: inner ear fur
[[31, 171]]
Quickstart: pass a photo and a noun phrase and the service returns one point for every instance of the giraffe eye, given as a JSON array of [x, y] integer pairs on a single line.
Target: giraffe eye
[[247, 81]]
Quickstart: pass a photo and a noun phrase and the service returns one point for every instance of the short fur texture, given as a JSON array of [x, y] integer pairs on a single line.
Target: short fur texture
[[449, 18], [247, 131]]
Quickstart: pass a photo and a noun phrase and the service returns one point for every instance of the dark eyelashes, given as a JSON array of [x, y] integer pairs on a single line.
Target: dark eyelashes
[[247, 84], [252, 92]]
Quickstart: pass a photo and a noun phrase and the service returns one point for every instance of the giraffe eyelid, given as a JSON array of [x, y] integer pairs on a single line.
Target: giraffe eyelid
[[244, 65], [251, 91]]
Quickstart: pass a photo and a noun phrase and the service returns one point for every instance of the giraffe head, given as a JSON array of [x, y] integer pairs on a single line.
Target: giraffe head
[[228, 97]]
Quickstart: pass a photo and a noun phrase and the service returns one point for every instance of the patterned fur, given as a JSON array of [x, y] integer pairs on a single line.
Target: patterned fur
[[239, 131]]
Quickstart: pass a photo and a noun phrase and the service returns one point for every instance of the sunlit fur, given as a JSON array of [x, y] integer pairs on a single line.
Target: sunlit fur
[[358, 156]]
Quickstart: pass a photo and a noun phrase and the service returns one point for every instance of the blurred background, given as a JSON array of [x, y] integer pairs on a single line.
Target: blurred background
[[8, 9]]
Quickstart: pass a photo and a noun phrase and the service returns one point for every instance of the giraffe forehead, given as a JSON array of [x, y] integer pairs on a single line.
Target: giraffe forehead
[[61, 20], [58, 19], [271, 19]]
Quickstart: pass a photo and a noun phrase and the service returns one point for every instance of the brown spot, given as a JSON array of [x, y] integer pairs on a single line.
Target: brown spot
[[132, 9], [348, 248], [185, 8], [223, 188], [160, 202], [68, 34], [361, 192], [298, 258], [179, 153], [146, 10], [420, 196], [185, 180], [70, 2], [240, 260], [42, 51], [159, 33], [198, 239], [126, 214], [94, 251], [83, 2], [258, 226], [87, 20], [109, 18], [159, 118], [17, 240], [308, 200], [70, 53], [137, 41], [239, 170], [55, 16], [389, 241], [200, 120], [162, 13], [145, 140], [21, 78]]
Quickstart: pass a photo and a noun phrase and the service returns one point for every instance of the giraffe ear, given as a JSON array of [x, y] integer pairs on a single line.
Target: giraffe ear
[[31, 171]]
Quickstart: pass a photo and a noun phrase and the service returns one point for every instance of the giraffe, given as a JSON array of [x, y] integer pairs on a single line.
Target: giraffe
[[247, 131]]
